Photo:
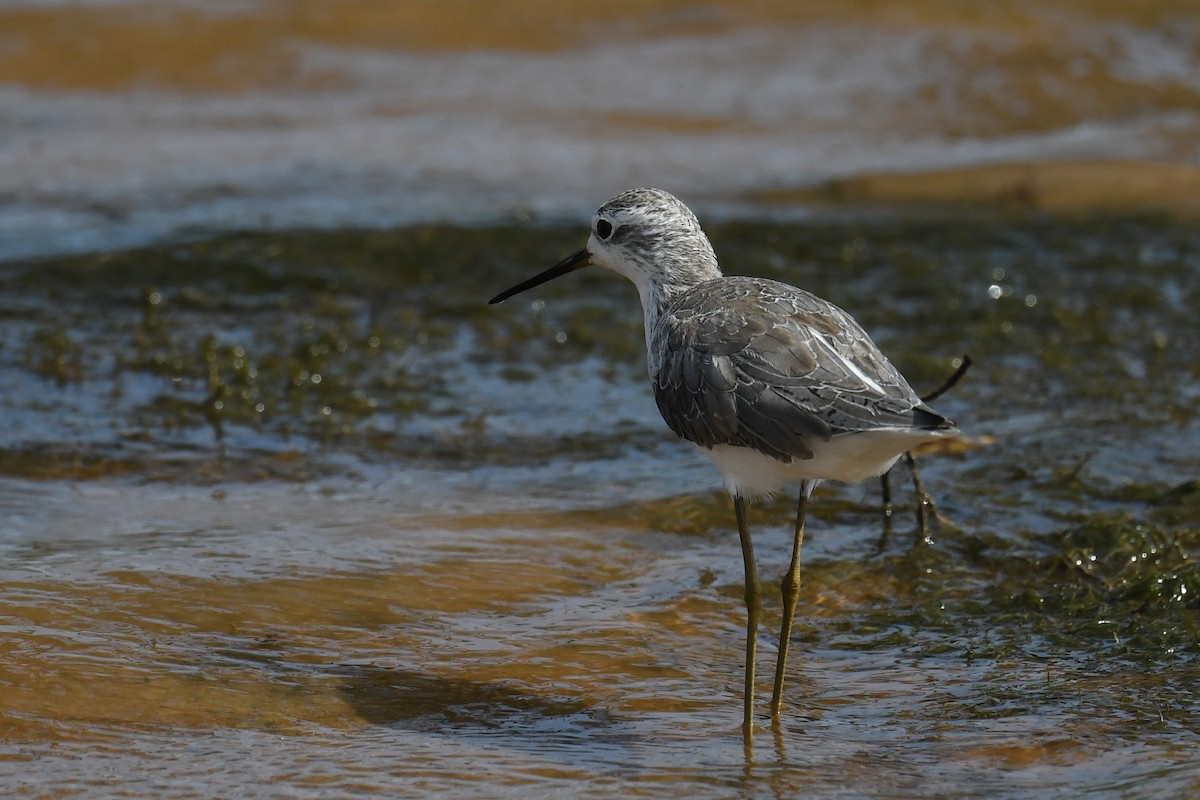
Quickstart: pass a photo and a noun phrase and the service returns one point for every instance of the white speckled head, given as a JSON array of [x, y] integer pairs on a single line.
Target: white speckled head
[[653, 239], [648, 236]]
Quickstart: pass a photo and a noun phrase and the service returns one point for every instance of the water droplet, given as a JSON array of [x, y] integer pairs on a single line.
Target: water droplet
[[561, 337], [995, 292]]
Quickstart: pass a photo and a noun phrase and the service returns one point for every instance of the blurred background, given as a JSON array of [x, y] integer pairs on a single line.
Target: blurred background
[[286, 510], [126, 121]]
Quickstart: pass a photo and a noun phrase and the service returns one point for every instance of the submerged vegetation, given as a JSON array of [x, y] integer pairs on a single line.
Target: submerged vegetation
[[315, 334]]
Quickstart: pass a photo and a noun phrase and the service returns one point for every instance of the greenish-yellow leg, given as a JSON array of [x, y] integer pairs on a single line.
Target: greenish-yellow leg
[[791, 593], [753, 612]]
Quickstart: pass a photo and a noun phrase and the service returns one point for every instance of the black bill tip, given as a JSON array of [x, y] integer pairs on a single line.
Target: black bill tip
[[568, 264]]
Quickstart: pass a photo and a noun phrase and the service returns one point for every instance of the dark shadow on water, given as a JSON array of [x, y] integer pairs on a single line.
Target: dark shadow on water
[[419, 701], [413, 698], [422, 701]]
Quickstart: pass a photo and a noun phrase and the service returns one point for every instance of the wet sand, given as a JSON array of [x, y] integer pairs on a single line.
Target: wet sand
[[1059, 188]]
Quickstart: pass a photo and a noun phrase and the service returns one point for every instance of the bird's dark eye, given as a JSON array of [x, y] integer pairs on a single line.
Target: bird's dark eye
[[604, 228]]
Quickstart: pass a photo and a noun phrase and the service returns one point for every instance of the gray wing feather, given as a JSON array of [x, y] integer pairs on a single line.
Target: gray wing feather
[[757, 363]]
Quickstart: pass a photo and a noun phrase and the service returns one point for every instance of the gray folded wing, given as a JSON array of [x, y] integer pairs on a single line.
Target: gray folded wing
[[760, 364]]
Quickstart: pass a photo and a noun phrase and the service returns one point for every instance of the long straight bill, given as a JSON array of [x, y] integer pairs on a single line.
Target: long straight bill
[[568, 264]]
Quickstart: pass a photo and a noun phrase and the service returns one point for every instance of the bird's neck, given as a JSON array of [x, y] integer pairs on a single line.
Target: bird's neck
[[658, 294]]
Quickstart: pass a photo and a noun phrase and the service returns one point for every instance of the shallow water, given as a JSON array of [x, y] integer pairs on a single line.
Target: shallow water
[[287, 510], [471, 559]]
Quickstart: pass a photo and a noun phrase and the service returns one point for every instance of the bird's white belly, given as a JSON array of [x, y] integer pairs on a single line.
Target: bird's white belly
[[848, 458]]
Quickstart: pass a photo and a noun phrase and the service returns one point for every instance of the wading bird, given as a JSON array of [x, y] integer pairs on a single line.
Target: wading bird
[[771, 382]]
